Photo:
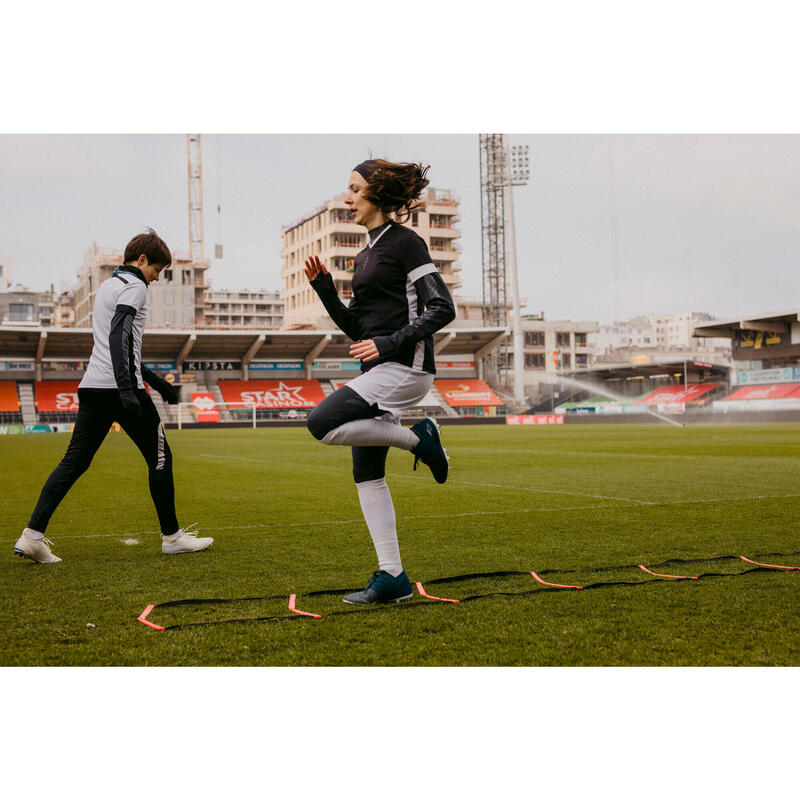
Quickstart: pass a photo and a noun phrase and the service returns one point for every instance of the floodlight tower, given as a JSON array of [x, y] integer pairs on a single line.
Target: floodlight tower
[[518, 175], [493, 181], [495, 311], [195, 158]]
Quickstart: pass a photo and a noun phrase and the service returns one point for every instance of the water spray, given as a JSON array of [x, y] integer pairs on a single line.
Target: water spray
[[619, 398]]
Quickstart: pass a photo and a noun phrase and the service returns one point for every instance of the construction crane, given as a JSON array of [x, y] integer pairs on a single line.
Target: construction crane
[[195, 157]]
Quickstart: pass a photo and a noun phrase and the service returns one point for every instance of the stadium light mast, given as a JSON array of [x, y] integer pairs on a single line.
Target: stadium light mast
[[493, 182], [518, 175]]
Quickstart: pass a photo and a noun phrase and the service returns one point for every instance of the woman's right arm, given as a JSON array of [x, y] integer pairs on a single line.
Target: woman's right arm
[[322, 283]]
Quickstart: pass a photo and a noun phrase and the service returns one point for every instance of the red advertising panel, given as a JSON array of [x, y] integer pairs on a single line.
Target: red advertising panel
[[770, 391], [286, 393], [205, 407], [676, 393], [469, 392], [8, 396], [57, 395], [535, 419]]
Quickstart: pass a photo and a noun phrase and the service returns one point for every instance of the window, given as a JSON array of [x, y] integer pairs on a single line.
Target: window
[[348, 240], [187, 315], [580, 340], [565, 360], [562, 339], [534, 360], [20, 312], [581, 360], [169, 316], [534, 339], [169, 298], [414, 219]]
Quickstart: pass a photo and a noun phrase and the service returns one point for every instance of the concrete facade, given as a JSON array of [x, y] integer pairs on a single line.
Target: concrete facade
[[20, 306], [244, 309]]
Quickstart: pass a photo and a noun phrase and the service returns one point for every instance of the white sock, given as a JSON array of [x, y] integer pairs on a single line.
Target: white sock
[[35, 536], [378, 509], [375, 432]]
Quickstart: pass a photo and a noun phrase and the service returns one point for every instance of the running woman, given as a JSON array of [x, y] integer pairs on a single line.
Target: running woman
[[112, 390], [399, 301]]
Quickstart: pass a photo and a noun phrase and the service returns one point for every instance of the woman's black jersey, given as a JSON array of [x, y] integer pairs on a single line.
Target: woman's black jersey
[[399, 299]]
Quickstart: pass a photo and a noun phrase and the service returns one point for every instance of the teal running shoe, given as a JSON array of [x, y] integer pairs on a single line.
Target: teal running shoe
[[429, 449], [382, 588]]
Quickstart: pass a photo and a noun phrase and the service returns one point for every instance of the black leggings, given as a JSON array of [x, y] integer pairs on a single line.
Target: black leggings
[[97, 410], [346, 405]]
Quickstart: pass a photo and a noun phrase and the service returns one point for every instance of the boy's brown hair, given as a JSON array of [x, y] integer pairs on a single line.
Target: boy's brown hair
[[148, 244]]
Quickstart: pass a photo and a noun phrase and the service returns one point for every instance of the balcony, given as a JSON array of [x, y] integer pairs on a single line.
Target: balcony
[[444, 253]]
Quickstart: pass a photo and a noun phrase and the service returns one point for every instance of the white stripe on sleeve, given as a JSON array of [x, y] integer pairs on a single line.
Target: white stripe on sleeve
[[419, 272]]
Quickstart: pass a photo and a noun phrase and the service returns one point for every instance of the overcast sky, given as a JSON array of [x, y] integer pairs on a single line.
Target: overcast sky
[[608, 227]]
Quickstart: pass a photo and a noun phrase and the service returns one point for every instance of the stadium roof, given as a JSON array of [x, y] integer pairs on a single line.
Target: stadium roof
[[26, 342], [776, 322], [651, 369]]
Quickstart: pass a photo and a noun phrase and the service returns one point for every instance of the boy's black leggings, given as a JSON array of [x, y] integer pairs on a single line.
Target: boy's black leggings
[[97, 410]]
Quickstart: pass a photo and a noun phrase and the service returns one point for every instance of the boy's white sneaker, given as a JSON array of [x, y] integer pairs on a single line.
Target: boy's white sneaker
[[36, 549], [184, 541]]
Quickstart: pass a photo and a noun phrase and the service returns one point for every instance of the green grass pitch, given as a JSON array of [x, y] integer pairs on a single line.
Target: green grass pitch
[[285, 517]]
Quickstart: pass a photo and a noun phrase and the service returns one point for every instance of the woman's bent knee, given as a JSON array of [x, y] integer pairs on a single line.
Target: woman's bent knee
[[317, 424]]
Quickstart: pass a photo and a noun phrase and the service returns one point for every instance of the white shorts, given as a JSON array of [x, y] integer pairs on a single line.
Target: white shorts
[[392, 387]]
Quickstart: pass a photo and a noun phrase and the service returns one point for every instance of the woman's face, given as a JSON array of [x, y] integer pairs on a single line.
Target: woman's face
[[363, 210]]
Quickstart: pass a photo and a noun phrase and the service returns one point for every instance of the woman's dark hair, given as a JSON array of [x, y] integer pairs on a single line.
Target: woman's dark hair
[[393, 188], [148, 244]]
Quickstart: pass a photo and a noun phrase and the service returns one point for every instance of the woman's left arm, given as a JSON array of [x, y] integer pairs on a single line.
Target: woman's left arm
[[436, 299]]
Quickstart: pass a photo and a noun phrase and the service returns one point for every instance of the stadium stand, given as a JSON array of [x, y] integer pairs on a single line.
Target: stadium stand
[[9, 403], [761, 397], [57, 401], [204, 407], [470, 397], [272, 397], [695, 394], [770, 391], [27, 405], [204, 360]]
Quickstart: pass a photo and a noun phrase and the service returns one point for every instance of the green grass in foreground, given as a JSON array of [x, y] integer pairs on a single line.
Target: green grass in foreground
[[285, 517]]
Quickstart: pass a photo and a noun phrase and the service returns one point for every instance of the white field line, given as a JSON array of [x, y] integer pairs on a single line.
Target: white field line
[[360, 520], [355, 521], [455, 481]]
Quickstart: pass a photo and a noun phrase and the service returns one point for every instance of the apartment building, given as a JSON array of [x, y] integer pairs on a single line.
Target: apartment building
[[553, 346], [657, 333], [21, 306], [176, 300], [329, 232], [244, 309]]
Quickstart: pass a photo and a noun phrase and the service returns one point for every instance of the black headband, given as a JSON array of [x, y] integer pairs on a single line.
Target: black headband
[[366, 169]]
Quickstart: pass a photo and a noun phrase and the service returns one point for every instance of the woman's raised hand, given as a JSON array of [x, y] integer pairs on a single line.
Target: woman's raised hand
[[314, 268]]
